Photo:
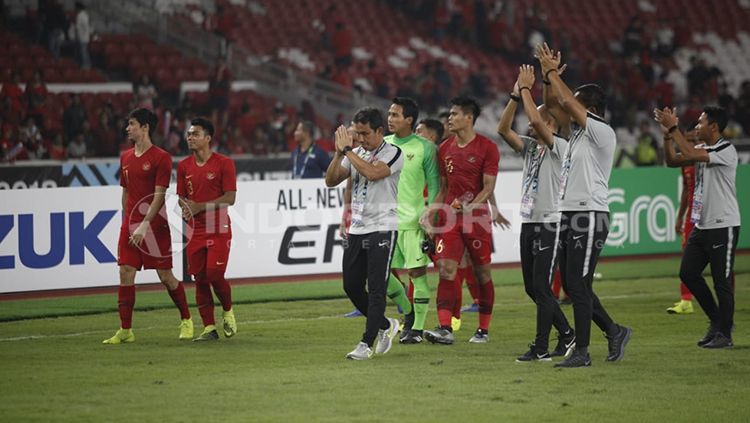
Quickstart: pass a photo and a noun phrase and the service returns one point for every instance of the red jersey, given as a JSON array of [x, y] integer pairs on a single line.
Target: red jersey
[[206, 183], [465, 166], [140, 176]]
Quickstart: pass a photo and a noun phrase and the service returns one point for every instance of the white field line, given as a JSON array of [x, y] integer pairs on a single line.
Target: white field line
[[287, 320]]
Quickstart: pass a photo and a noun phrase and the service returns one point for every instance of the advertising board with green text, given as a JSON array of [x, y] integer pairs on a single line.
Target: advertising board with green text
[[643, 205]]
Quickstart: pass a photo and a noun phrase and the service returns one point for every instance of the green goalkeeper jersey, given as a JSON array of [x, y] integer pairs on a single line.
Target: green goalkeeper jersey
[[420, 169]]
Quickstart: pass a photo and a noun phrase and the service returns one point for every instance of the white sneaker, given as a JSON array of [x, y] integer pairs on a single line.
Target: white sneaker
[[480, 337], [385, 337], [361, 352]]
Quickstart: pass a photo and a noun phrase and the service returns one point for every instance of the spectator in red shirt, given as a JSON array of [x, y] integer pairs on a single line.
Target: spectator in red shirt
[[36, 96], [12, 90], [105, 136], [342, 45]]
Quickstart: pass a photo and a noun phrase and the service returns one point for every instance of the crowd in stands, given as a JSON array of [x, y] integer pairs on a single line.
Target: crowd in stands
[[636, 61]]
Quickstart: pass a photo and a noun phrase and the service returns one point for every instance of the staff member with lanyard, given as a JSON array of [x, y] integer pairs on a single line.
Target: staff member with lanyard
[[716, 215], [374, 168], [308, 160]]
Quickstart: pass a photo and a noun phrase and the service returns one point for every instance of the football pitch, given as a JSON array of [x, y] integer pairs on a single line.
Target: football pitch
[[287, 361]]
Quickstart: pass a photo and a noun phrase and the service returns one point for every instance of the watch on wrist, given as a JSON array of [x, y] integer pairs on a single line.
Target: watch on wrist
[[346, 149]]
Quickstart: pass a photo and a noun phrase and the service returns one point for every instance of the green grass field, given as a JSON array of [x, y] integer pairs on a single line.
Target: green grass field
[[287, 361]]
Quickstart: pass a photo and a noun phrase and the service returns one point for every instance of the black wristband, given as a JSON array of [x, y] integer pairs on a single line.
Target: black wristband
[[515, 97], [346, 150], [546, 82], [672, 129], [520, 90], [546, 74]]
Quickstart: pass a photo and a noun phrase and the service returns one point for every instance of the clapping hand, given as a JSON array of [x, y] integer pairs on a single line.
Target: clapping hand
[[667, 118], [343, 138], [525, 77]]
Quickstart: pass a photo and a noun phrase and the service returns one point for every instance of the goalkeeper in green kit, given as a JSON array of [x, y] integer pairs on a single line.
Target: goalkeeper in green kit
[[420, 170]]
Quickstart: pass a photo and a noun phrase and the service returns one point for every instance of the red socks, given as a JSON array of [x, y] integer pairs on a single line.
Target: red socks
[[179, 299], [446, 301], [685, 293], [205, 301], [125, 304], [556, 284], [459, 293], [221, 287], [471, 283], [486, 302]]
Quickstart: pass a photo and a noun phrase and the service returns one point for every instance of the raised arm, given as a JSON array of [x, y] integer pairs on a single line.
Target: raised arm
[[672, 157], [552, 103], [505, 126], [525, 83], [668, 118], [550, 63]]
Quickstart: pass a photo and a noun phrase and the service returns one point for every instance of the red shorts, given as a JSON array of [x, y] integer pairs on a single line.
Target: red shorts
[[155, 251], [472, 235], [208, 251], [687, 228]]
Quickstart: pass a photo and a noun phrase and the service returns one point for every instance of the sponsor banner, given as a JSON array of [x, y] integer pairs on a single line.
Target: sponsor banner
[[643, 205], [106, 172], [60, 238]]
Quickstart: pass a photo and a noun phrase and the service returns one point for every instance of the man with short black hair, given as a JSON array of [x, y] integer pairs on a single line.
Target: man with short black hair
[[431, 130], [374, 168], [543, 152], [460, 217], [419, 170], [584, 223], [207, 186], [145, 240], [308, 159], [716, 215]]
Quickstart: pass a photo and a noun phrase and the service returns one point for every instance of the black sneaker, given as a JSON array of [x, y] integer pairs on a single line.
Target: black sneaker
[[617, 343], [577, 359], [565, 344], [719, 341], [533, 355], [411, 337], [408, 321], [709, 336], [441, 335]]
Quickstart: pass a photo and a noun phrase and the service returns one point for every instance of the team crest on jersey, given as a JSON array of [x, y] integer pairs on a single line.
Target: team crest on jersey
[[210, 176], [472, 159], [410, 156], [146, 166]]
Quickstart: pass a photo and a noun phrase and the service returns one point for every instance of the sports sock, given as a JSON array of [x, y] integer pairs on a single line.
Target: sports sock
[[471, 283], [446, 299], [397, 294], [221, 287], [685, 293], [459, 293], [421, 301], [125, 304], [205, 301], [486, 302], [556, 284], [179, 299]]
